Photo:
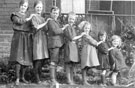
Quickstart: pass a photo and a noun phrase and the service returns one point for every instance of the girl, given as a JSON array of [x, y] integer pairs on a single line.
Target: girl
[[21, 42], [71, 51], [88, 54], [115, 58], [103, 55], [40, 50]]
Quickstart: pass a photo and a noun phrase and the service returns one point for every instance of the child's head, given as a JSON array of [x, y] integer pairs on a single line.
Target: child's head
[[38, 5], [71, 17], [102, 35], [55, 12], [23, 5], [116, 41], [85, 26]]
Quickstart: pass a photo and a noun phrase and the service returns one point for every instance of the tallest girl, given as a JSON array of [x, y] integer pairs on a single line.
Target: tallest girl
[[21, 42]]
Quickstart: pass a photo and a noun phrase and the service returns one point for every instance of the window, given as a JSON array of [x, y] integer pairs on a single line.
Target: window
[[78, 6]]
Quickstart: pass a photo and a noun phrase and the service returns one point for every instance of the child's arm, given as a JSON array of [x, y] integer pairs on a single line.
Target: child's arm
[[78, 37], [42, 25], [103, 48], [30, 17], [92, 40], [65, 26], [111, 48]]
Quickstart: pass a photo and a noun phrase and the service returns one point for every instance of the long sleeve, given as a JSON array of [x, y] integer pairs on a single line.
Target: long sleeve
[[34, 22], [111, 57], [92, 41], [54, 27], [102, 48], [67, 34], [17, 20]]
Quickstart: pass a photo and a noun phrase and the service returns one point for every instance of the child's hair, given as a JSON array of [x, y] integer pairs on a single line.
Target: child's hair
[[83, 24], [72, 14], [116, 37], [101, 33], [22, 2], [37, 2], [55, 8]]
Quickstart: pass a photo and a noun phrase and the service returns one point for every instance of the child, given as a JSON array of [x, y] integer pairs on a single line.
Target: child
[[103, 55], [88, 54], [115, 58], [21, 52], [71, 51], [40, 50]]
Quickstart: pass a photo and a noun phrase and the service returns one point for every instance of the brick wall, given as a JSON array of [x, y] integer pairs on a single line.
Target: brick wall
[[6, 8]]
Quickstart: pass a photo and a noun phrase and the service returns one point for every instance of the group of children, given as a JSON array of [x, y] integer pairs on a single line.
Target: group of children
[[94, 53], [45, 42]]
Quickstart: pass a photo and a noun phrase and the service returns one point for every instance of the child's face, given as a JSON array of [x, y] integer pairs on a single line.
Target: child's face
[[116, 42], [55, 14], [24, 7], [87, 28], [103, 37], [71, 19], [39, 8]]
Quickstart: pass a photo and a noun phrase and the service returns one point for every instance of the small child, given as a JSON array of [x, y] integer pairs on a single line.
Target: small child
[[71, 50], [89, 56], [116, 58], [103, 55]]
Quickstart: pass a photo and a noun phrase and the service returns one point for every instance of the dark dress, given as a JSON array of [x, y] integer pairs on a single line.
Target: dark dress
[[116, 57], [71, 51], [89, 56], [40, 50], [21, 50], [103, 56]]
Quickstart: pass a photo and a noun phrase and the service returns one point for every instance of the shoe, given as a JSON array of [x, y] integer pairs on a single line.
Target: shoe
[[25, 81], [17, 82]]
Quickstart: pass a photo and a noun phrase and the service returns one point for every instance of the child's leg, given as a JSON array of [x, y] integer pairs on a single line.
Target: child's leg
[[68, 72], [72, 73], [53, 72], [84, 76], [23, 74], [18, 68], [114, 78], [37, 64], [103, 76]]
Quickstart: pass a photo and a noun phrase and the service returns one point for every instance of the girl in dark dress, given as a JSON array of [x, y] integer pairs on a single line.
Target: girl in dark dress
[[103, 55], [116, 58], [71, 50], [21, 42]]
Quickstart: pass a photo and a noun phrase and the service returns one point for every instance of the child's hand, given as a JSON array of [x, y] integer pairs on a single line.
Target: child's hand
[[27, 19], [111, 48], [48, 19], [83, 33], [99, 42], [65, 26]]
